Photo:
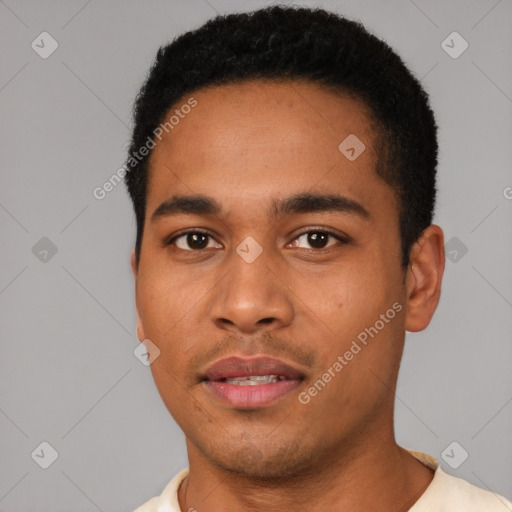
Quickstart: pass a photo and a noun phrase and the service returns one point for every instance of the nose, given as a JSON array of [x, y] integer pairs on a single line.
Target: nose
[[251, 297]]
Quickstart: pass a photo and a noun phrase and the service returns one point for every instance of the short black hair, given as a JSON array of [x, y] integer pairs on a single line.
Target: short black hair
[[302, 44]]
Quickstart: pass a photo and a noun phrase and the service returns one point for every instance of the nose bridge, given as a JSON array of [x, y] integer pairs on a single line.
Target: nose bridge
[[251, 296]]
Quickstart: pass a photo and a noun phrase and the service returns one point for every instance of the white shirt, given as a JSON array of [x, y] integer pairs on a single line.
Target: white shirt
[[446, 493]]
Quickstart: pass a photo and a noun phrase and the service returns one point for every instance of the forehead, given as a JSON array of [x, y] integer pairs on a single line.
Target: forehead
[[259, 138]]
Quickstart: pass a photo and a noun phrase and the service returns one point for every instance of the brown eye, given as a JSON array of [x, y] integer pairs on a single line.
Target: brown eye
[[192, 241], [318, 239]]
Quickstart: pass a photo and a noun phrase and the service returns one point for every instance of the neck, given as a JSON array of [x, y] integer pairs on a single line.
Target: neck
[[376, 476]]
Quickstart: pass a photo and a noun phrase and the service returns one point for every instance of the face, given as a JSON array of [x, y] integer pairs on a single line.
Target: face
[[287, 248]]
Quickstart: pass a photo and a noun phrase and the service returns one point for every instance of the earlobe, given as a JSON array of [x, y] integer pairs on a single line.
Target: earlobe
[[424, 278], [140, 329], [133, 263]]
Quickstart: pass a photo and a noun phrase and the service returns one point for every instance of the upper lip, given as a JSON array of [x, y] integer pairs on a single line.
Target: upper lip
[[236, 366]]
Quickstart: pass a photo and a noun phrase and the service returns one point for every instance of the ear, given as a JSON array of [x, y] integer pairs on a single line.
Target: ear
[[135, 273], [133, 264], [424, 278]]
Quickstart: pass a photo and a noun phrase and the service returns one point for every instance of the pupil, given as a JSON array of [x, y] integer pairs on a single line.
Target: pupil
[[318, 240], [197, 240]]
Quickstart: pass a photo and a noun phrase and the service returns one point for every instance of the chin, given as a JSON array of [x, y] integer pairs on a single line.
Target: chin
[[267, 463]]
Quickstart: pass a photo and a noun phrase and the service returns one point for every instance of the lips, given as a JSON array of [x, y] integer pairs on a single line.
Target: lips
[[233, 367], [220, 381]]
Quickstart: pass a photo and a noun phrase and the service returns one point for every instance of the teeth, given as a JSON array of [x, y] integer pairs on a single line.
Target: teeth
[[255, 380]]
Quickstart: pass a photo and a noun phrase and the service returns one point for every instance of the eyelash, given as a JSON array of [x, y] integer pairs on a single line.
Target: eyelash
[[340, 238]]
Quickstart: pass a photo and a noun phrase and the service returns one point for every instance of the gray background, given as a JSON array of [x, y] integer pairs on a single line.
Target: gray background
[[68, 375]]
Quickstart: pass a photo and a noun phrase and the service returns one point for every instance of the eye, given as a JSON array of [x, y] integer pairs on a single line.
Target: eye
[[318, 239], [192, 241]]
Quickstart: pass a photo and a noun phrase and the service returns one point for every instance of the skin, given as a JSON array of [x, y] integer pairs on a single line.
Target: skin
[[245, 145]]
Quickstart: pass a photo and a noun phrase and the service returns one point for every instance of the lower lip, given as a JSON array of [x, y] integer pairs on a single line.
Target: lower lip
[[251, 396]]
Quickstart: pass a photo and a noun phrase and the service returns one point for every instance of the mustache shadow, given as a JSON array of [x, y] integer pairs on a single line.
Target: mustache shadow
[[265, 343]]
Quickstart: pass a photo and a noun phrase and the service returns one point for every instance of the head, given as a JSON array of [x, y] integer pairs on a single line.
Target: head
[[296, 137]]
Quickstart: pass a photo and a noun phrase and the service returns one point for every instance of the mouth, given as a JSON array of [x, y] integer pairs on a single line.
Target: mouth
[[251, 383], [255, 380]]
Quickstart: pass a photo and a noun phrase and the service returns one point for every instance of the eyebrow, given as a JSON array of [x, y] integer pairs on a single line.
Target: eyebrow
[[295, 204], [310, 203]]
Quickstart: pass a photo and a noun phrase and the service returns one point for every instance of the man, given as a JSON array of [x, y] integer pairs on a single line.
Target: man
[[282, 170]]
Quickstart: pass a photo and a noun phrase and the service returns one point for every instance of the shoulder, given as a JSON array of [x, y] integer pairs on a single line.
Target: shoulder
[[448, 493], [149, 506], [168, 497]]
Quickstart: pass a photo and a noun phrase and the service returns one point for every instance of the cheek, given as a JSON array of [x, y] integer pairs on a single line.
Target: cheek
[[346, 294], [167, 383], [354, 307], [359, 374], [163, 298], [170, 307]]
